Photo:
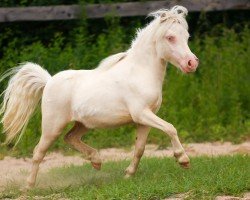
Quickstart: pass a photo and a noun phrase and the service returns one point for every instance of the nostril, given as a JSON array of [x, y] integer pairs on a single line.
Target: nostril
[[197, 59], [190, 63]]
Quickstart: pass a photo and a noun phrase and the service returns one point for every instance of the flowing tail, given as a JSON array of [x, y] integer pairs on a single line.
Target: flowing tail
[[21, 97]]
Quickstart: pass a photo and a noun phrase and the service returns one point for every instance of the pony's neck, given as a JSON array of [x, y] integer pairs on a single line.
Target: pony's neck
[[144, 53]]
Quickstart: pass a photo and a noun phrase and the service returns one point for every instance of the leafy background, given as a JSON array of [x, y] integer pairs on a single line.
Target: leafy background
[[209, 105]]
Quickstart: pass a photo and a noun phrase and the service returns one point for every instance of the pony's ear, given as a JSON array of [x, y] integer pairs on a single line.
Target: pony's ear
[[163, 14], [180, 10], [163, 17]]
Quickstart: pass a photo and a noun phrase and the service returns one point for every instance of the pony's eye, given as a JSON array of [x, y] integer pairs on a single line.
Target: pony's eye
[[170, 38]]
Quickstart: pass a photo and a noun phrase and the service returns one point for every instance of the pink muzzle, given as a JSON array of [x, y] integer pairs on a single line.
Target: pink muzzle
[[191, 65]]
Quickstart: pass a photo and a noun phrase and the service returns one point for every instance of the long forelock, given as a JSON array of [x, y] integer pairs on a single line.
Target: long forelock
[[177, 14]]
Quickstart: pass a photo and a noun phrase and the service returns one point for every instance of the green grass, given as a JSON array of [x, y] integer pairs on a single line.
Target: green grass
[[156, 179]]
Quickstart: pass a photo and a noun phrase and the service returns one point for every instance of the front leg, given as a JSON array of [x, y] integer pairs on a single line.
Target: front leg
[[148, 118], [141, 138]]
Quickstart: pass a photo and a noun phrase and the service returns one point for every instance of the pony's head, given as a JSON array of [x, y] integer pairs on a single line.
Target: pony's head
[[171, 38]]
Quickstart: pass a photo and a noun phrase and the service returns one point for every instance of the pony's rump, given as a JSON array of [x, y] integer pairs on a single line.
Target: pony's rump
[[21, 97]]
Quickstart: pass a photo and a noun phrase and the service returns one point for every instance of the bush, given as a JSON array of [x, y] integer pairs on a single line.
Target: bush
[[209, 105]]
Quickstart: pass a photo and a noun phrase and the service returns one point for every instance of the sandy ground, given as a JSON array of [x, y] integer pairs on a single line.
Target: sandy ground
[[15, 170], [184, 196]]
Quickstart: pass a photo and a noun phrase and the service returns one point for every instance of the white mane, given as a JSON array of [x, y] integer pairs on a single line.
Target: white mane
[[176, 14], [176, 11], [110, 61]]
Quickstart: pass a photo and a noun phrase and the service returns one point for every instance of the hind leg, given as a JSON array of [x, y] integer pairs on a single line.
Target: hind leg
[[51, 129], [73, 137]]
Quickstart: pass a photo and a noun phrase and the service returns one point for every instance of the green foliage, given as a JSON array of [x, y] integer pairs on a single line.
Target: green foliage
[[211, 104], [155, 179]]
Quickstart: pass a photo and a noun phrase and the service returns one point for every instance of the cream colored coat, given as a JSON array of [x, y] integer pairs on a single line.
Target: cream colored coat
[[125, 88]]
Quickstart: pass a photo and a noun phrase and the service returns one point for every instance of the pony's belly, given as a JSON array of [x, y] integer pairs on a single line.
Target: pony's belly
[[105, 121]]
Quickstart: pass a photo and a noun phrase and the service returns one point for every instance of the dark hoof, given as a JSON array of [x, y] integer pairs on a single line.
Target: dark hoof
[[97, 166], [185, 165]]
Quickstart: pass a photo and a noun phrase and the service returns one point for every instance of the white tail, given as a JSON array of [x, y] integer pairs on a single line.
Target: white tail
[[21, 97]]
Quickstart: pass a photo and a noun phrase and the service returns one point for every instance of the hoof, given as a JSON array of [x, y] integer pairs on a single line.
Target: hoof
[[127, 176], [185, 165], [182, 159], [25, 189], [30, 185], [97, 166], [129, 172]]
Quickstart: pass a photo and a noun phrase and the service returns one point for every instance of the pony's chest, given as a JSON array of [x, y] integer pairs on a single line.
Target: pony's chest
[[150, 97], [147, 90], [156, 104], [154, 101]]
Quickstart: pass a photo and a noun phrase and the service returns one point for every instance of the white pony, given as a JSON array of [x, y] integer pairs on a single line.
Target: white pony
[[125, 88]]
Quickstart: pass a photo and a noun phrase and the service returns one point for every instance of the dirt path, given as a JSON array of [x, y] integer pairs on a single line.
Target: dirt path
[[14, 170], [184, 196]]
